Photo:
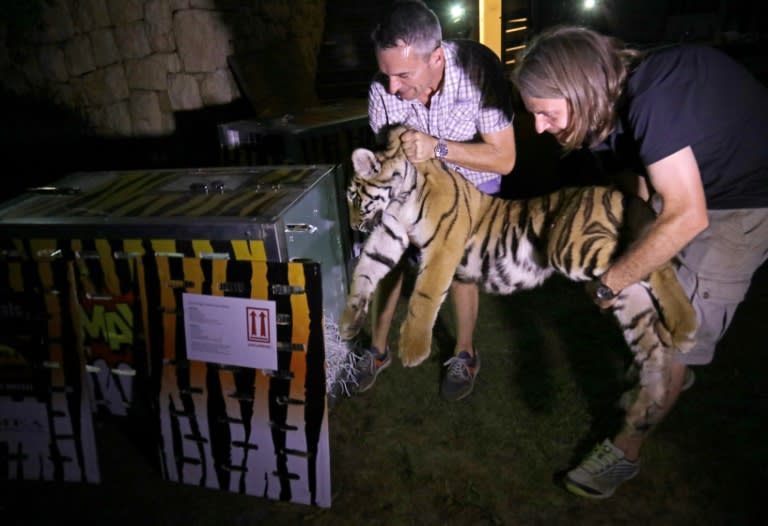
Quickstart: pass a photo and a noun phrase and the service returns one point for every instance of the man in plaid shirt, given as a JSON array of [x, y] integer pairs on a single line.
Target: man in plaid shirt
[[454, 98]]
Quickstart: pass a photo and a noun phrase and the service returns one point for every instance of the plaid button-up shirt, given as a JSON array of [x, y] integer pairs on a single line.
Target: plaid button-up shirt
[[455, 112]]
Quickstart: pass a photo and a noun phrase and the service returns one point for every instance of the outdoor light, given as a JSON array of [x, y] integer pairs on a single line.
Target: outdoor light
[[589, 4], [457, 12]]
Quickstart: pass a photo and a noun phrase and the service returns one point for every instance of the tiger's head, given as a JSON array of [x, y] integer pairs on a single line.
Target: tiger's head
[[376, 181]]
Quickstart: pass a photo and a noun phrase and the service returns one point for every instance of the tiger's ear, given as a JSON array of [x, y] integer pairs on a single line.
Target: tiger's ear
[[365, 162]]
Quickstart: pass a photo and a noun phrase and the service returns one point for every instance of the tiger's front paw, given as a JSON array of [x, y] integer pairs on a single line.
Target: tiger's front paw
[[352, 319], [414, 346]]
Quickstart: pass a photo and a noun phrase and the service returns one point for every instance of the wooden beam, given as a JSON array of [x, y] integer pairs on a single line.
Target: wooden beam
[[490, 24]]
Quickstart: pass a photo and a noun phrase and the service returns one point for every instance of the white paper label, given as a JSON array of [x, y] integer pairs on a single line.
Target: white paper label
[[231, 331]]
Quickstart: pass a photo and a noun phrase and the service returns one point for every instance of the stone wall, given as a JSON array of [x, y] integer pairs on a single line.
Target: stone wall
[[127, 66]]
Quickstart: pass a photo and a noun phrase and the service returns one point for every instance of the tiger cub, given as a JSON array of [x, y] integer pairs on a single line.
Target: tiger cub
[[503, 246]]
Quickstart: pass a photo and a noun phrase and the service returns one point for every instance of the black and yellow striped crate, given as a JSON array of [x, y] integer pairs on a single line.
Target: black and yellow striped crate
[[46, 422], [132, 247]]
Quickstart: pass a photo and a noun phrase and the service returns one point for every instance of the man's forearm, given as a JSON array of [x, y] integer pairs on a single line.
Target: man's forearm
[[662, 243], [480, 156]]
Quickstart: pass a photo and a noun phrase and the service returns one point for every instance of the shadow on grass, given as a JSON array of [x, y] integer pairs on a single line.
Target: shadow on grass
[[557, 324]]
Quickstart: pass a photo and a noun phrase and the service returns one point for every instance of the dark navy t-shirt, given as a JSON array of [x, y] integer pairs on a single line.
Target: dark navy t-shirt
[[698, 96]]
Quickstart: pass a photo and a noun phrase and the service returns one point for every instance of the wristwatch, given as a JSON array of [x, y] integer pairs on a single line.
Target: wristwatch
[[441, 150], [604, 292]]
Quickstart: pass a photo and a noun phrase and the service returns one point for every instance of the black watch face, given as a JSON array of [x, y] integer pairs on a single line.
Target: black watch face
[[604, 293]]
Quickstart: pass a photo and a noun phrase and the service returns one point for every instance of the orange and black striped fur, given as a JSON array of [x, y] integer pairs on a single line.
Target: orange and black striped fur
[[504, 246]]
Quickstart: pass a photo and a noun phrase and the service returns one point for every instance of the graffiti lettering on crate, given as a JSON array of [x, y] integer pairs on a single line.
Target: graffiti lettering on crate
[[107, 325]]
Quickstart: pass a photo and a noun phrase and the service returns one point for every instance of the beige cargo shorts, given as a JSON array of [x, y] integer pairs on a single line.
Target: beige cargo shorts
[[716, 269]]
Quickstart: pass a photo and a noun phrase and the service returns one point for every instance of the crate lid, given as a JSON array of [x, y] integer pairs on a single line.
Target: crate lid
[[136, 200]]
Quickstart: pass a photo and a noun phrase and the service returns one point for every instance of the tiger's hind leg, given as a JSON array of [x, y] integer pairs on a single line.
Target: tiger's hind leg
[[678, 316], [639, 320]]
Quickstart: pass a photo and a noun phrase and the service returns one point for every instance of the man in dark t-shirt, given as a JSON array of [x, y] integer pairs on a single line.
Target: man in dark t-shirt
[[692, 125], [699, 97]]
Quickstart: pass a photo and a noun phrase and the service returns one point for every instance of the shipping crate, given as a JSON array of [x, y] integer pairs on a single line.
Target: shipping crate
[[46, 425], [200, 304]]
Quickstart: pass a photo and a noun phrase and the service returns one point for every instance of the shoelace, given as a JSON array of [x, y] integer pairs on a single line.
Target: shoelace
[[457, 368], [357, 363], [600, 459], [354, 364], [366, 361]]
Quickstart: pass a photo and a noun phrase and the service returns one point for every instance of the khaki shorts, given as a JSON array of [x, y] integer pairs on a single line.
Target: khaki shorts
[[716, 269]]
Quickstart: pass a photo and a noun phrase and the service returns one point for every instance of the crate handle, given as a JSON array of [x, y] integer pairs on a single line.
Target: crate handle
[[54, 190], [301, 227]]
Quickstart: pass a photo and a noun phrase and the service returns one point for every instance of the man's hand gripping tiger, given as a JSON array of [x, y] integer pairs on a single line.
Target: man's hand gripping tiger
[[503, 246]]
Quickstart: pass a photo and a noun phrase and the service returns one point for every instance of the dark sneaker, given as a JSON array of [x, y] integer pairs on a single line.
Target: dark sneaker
[[368, 364], [601, 472], [460, 377]]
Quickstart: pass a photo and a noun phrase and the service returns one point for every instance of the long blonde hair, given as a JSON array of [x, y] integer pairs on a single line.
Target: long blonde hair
[[587, 69]]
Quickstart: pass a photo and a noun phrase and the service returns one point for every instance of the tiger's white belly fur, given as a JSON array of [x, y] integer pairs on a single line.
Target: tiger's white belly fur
[[503, 275]]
